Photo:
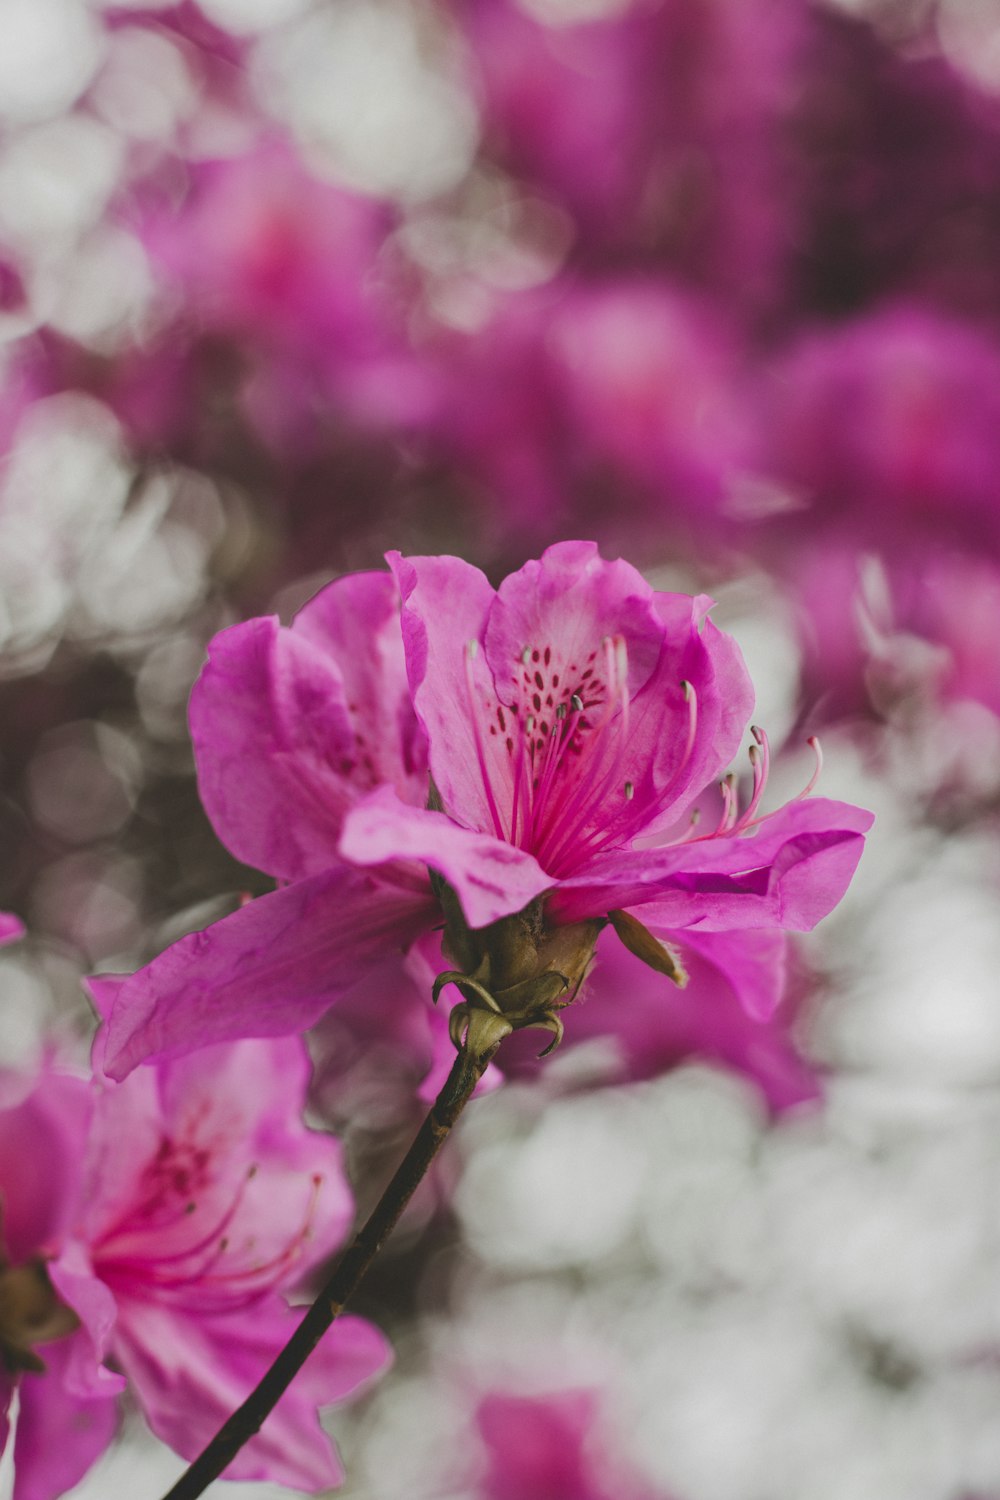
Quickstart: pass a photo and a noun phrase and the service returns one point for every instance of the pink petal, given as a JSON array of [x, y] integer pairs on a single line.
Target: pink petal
[[189, 1373], [647, 769], [553, 1447], [60, 1435], [790, 873], [273, 743], [356, 621], [445, 607], [697, 651], [492, 878], [272, 967], [568, 601], [11, 928], [47, 1125], [73, 1277], [238, 1153]]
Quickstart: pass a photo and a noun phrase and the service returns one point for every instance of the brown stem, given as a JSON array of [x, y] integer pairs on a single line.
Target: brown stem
[[344, 1281]]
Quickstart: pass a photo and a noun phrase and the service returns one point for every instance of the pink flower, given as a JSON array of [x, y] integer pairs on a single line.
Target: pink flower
[[888, 423], [569, 722], [664, 130], [11, 928], [616, 398], [176, 1211], [550, 1447], [282, 266]]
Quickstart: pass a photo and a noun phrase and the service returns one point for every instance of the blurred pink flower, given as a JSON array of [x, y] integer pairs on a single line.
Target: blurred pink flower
[[664, 130], [616, 400], [551, 1447], [11, 928], [914, 628], [565, 718], [284, 267], [885, 431], [176, 1211], [889, 427]]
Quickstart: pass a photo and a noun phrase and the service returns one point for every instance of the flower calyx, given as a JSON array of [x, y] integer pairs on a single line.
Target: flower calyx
[[517, 973]]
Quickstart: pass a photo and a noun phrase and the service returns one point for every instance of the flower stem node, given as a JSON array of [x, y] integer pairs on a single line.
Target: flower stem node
[[521, 972]]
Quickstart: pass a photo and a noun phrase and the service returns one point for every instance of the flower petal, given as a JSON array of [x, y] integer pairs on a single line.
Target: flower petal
[[221, 1110], [47, 1125], [273, 741], [60, 1435], [355, 621], [566, 603], [190, 1373], [73, 1277], [790, 873], [11, 928], [446, 603], [270, 968], [491, 878]]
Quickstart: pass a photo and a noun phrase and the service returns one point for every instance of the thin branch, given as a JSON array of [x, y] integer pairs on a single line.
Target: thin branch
[[344, 1281]]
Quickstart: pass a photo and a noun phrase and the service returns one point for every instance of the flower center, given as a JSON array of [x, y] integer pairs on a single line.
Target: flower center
[[184, 1237], [555, 758]]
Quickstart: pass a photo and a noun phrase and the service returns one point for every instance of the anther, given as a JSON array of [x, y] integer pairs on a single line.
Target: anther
[[473, 649], [576, 703], [629, 791], [525, 656], [562, 711]]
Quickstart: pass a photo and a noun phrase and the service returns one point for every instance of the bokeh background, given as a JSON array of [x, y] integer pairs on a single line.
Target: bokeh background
[[717, 282]]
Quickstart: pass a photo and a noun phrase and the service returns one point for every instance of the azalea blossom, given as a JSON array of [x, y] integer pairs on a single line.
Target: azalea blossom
[[175, 1212], [561, 729], [553, 1447]]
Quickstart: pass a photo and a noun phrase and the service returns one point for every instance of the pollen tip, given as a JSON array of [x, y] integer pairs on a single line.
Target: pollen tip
[[472, 647], [757, 733], [629, 791], [686, 689], [576, 703], [754, 754], [526, 656]]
